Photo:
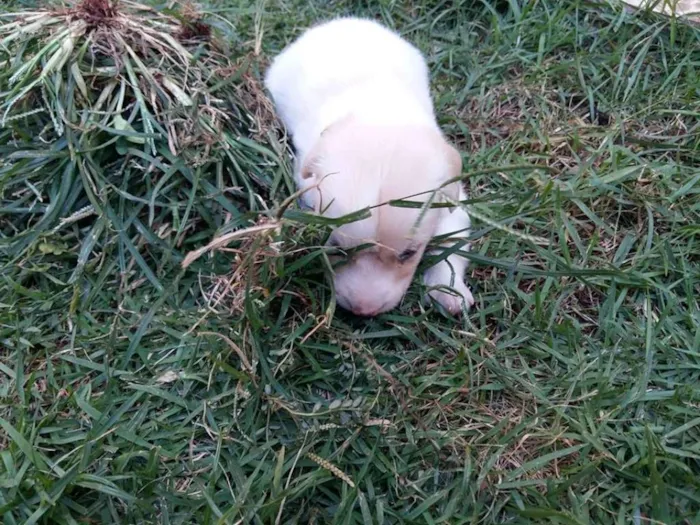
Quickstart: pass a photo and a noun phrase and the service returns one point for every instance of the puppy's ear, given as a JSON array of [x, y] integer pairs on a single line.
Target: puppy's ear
[[310, 164], [454, 163], [308, 168], [311, 174], [454, 160]]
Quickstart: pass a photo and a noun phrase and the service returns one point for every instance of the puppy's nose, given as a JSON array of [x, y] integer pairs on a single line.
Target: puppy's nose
[[364, 310]]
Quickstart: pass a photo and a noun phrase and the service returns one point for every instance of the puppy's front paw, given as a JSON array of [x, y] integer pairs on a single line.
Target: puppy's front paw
[[453, 300]]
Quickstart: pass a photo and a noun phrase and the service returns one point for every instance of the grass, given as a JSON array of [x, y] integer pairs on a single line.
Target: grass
[[232, 391]]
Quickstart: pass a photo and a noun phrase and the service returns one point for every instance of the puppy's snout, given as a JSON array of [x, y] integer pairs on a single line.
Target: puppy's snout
[[367, 288]]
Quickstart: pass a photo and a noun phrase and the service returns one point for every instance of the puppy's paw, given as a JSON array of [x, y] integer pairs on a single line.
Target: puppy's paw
[[453, 300]]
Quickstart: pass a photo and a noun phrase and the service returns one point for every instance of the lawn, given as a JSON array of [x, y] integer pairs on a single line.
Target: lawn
[[134, 389]]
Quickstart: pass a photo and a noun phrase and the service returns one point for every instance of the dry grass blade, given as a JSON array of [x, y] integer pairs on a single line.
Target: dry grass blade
[[225, 240]]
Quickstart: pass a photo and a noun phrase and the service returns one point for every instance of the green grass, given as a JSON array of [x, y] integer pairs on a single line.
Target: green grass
[[232, 391]]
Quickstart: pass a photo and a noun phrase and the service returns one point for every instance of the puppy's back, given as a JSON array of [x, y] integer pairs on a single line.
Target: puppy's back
[[336, 56]]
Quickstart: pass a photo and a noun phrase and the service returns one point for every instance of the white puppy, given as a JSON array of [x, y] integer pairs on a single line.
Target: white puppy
[[355, 98]]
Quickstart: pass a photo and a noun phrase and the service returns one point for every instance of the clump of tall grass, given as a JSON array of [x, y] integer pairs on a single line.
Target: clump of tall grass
[[113, 117]]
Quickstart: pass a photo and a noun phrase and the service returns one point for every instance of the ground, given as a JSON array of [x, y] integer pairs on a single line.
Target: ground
[[233, 391]]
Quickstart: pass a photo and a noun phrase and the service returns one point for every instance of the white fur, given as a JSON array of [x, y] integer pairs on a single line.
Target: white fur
[[344, 66], [355, 98]]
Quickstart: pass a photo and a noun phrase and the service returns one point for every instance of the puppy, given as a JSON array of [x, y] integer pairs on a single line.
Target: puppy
[[355, 98]]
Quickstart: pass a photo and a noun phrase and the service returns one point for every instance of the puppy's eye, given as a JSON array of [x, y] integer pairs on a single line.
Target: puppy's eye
[[407, 254]]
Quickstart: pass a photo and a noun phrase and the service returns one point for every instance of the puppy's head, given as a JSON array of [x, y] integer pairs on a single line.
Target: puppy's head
[[355, 166]]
